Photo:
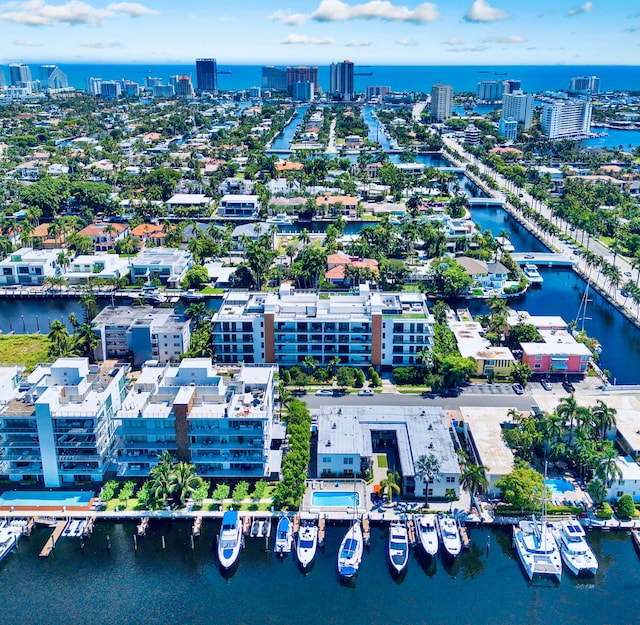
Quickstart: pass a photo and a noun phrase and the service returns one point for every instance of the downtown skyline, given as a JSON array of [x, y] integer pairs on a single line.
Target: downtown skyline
[[456, 32]]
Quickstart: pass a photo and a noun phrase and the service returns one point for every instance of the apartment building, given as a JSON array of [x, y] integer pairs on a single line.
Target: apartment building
[[220, 419], [367, 328], [168, 265], [59, 426], [518, 106], [441, 102], [29, 267], [142, 333], [566, 119]]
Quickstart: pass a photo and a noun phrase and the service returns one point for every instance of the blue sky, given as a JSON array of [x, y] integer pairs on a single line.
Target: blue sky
[[386, 32]]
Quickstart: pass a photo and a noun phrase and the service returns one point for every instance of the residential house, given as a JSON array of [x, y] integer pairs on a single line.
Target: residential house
[[337, 263], [105, 235], [29, 267], [87, 267], [166, 265], [239, 206], [333, 205], [150, 234]]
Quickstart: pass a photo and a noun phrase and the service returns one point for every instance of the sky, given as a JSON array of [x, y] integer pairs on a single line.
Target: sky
[[369, 32]]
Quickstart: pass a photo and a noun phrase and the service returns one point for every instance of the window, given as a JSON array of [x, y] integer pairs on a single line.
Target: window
[[347, 461], [538, 356], [326, 460]]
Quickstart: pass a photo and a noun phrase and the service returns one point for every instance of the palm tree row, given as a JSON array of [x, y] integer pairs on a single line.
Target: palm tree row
[[173, 482]]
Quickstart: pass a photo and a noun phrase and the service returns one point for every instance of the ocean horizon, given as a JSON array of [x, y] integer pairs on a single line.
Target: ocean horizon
[[416, 78]]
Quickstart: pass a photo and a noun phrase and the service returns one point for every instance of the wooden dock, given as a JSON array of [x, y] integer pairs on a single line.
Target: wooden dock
[[50, 545], [246, 525], [142, 527], [197, 526], [31, 523], [321, 530], [296, 523], [88, 528], [464, 536], [411, 530], [366, 530]]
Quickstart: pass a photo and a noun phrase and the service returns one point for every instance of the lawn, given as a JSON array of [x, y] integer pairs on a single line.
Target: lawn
[[24, 349]]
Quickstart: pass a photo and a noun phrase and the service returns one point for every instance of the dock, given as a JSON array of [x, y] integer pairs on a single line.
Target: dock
[[366, 530], [88, 528], [321, 530], [141, 528], [411, 530], [50, 545], [246, 525], [296, 523], [197, 526], [464, 536]]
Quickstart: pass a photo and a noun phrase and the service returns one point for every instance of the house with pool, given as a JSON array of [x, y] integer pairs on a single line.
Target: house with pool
[[349, 437]]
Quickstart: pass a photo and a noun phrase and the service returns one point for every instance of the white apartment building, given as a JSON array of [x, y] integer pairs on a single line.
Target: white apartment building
[[142, 333], [363, 329], [518, 106], [441, 102], [566, 119], [61, 429], [168, 265], [86, 267], [220, 419], [348, 436], [585, 84]]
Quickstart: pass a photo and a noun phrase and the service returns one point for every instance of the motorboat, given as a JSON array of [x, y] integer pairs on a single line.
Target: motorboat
[[532, 274], [398, 547], [281, 219], [574, 549], [230, 539], [351, 550], [9, 536], [307, 544], [537, 549], [450, 535], [284, 535], [427, 533], [505, 244]]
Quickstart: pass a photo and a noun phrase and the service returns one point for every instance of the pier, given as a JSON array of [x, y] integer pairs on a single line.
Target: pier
[[197, 526], [50, 545], [549, 259]]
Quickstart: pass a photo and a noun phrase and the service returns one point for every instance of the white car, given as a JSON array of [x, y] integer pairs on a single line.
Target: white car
[[366, 392], [324, 392]]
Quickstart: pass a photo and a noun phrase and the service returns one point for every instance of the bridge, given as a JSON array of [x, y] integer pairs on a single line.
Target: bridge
[[548, 259], [485, 202]]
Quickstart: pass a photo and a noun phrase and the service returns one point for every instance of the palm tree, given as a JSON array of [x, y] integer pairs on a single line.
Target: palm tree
[[604, 417], [310, 364], [428, 469], [160, 477], [608, 469], [183, 481], [566, 409], [474, 480], [87, 340], [196, 311], [389, 485]]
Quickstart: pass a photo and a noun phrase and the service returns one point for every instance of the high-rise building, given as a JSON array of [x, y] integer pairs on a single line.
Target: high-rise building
[[182, 85], [441, 102], [585, 84], [110, 89], [93, 85], [52, 77], [3, 82], [518, 106], [341, 80], [376, 91], [508, 128], [152, 81], [512, 85], [274, 78], [490, 90], [302, 91], [566, 119], [207, 75], [20, 74], [301, 73]]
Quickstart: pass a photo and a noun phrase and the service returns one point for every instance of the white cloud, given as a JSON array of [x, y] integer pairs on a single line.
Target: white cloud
[[406, 41], [359, 44], [472, 49], [481, 11], [585, 8], [102, 45], [452, 42], [305, 40], [509, 39], [74, 12], [289, 18], [338, 11], [28, 44]]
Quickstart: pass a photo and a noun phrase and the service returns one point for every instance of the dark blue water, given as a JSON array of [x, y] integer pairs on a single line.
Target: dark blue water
[[157, 586], [283, 140], [534, 78]]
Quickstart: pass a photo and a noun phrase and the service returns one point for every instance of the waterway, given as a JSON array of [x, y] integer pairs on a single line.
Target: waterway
[[155, 586], [623, 139]]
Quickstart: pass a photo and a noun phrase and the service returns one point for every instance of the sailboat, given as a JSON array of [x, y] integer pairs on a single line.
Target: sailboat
[[582, 316], [536, 545], [351, 550]]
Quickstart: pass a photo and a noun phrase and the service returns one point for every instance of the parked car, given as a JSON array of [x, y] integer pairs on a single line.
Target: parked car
[[546, 385], [299, 392], [366, 392], [449, 392], [517, 389], [567, 386], [324, 392]]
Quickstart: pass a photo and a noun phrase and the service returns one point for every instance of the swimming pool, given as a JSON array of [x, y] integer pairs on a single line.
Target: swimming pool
[[32, 499], [560, 486], [336, 500]]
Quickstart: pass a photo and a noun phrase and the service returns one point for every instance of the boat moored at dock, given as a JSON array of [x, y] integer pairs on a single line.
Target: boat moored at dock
[[230, 539], [574, 549], [9, 536], [307, 544], [398, 546], [351, 550], [450, 535], [532, 274], [537, 549], [284, 535], [428, 534]]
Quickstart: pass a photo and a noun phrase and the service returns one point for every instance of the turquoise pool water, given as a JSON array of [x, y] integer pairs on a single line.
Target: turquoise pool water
[[559, 486], [335, 500], [45, 498]]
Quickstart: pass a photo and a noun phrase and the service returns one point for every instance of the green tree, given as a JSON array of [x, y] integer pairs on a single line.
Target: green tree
[[597, 491], [428, 469], [474, 479], [195, 278], [389, 485], [183, 482], [523, 488], [626, 509]]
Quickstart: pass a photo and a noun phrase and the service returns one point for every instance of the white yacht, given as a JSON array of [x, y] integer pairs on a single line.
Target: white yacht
[[398, 546], [532, 274], [450, 535], [284, 535], [351, 550], [574, 549], [230, 539], [505, 244], [307, 544], [9, 536], [537, 549], [426, 529]]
